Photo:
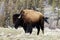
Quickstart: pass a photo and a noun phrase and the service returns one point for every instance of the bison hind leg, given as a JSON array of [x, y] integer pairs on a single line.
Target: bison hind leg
[[42, 28], [42, 25], [38, 29]]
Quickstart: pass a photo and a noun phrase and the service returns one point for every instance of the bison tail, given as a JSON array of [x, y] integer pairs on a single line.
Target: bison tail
[[45, 19]]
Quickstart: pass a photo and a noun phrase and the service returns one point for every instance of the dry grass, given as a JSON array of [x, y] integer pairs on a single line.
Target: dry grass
[[13, 34]]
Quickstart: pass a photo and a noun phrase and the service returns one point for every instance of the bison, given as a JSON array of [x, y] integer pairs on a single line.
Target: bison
[[30, 19]]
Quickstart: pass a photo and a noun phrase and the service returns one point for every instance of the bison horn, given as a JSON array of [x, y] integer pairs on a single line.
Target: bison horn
[[19, 16]]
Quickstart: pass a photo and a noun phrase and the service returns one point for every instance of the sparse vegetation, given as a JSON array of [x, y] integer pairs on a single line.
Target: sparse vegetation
[[13, 34]]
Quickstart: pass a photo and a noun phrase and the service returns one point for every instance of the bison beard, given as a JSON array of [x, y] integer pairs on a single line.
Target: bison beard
[[15, 17], [28, 26], [18, 22]]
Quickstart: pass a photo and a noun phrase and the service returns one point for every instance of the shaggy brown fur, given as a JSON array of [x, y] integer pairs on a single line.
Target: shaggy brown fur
[[31, 16]]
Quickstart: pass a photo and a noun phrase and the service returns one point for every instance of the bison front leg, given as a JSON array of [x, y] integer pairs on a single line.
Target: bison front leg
[[29, 28], [24, 27]]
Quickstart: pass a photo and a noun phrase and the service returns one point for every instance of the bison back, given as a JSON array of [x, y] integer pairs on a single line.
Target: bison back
[[31, 16]]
